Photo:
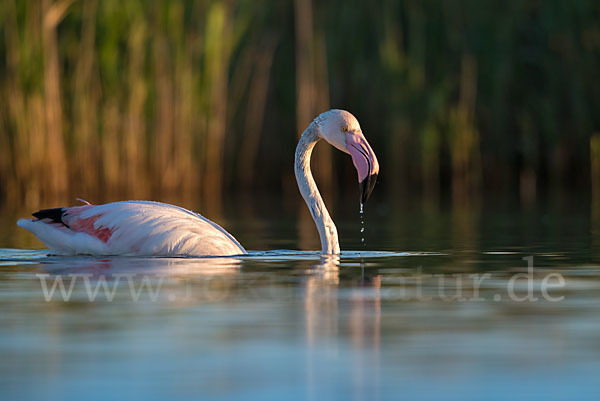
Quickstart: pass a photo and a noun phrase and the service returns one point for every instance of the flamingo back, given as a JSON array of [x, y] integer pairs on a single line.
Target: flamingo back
[[131, 228]]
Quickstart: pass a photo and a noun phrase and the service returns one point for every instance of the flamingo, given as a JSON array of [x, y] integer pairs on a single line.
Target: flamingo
[[145, 228]]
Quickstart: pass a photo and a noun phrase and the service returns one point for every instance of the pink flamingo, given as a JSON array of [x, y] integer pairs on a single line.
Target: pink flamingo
[[147, 228]]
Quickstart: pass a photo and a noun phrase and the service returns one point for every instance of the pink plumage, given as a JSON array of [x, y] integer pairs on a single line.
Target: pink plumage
[[132, 228], [86, 225]]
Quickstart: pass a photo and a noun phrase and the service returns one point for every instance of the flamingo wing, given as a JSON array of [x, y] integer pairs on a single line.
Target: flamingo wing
[[130, 228]]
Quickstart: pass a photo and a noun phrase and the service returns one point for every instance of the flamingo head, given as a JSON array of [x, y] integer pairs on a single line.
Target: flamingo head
[[342, 130]]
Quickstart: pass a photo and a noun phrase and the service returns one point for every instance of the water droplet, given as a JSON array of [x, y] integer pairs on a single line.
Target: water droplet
[[362, 225]]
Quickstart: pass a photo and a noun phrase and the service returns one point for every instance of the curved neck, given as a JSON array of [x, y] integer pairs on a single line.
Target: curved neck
[[310, 192]]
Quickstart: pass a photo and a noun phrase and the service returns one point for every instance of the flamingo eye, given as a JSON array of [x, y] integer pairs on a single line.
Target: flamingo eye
[[345, 128]]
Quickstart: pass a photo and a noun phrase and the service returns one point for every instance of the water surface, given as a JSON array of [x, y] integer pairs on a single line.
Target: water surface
[[402, 317]]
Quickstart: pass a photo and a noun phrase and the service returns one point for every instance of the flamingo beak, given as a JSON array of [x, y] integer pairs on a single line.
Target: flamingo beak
[[365, 161], [366, 187]]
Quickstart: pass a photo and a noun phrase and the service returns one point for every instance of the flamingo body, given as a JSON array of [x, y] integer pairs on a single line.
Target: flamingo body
[[157, 229], [131, 228]]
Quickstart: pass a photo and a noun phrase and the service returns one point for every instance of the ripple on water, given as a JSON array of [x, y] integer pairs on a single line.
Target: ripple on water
[[11, 257], [25, 256]]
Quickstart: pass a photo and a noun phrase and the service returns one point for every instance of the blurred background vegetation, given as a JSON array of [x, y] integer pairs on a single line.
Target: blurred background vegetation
[[205, 100]]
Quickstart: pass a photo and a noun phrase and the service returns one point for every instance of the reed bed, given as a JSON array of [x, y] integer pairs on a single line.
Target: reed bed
[[198, 99]]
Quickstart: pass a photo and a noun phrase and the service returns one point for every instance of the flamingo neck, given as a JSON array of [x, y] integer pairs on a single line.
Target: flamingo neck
[[310, 192]]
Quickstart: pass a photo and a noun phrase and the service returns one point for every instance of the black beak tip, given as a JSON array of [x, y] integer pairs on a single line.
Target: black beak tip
[[366, 187]]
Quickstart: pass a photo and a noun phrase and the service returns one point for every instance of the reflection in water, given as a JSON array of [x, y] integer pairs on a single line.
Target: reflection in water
[[321, 299], [178, 281], [139, 265], [359, 307], [365, 330], [595, 224]]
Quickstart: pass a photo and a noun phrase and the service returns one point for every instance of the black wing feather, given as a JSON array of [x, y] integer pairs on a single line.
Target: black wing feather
[[55, 215]]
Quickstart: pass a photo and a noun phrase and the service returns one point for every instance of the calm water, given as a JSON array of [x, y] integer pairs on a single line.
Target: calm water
[[431, 308]]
